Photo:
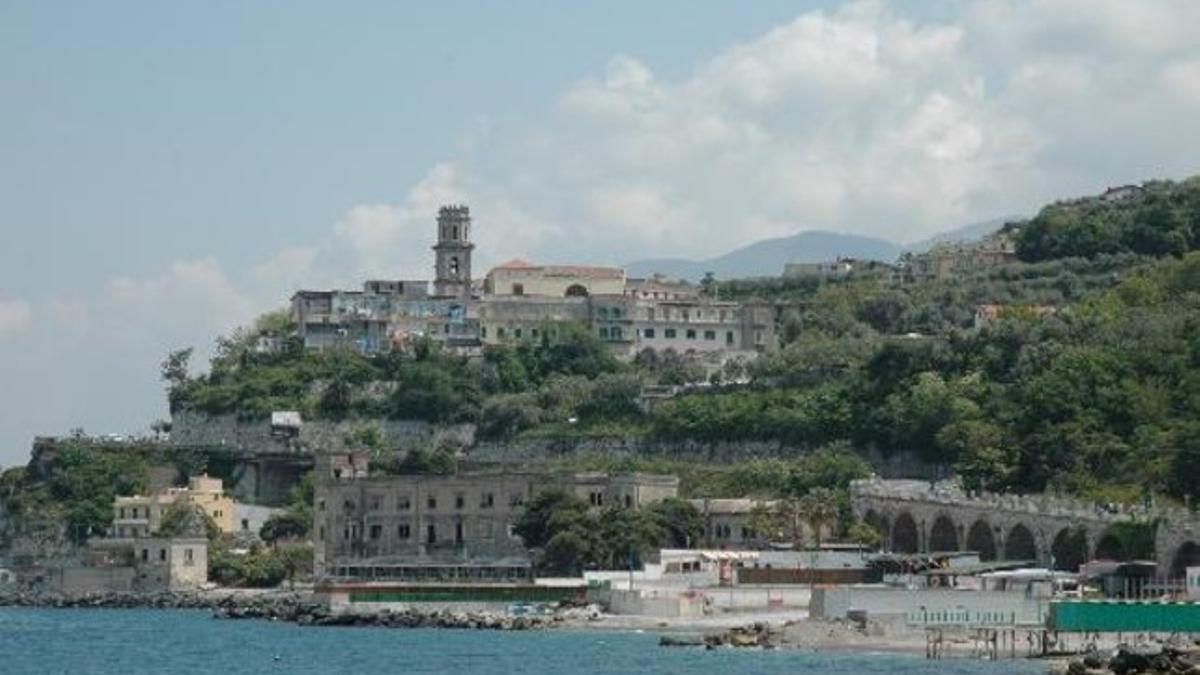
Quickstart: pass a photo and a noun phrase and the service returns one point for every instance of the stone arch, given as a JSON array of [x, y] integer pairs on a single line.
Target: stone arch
[[1187, 555], [1069, 549], [981, 540], [1020, 544], [576, 291], [879, 523], [943, 536], [905, 536], [1109, 548]]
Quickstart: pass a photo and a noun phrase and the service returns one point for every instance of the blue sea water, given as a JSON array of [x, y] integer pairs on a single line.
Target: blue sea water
[[131, 642]]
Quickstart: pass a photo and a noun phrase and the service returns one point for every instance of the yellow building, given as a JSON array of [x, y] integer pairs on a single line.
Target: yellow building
[[141, 515], [517, 277]]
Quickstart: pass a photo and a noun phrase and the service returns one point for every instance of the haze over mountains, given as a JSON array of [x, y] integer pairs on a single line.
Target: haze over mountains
[[767, 257]]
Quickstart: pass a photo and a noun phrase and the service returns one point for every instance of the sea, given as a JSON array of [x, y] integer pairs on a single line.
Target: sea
[[130, 642]]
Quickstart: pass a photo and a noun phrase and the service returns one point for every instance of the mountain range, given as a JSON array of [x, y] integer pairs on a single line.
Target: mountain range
[[768, 256]]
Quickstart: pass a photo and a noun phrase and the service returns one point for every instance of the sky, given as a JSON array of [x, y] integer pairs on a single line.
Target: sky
[[168, 171]]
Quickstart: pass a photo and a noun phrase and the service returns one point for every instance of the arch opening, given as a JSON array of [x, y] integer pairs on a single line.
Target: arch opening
[[1019, 544], [905, 538], [576, 291], [1187, 555], [1109, 548], [981, 540], [943, 536], [879, 523], [1070, 549]]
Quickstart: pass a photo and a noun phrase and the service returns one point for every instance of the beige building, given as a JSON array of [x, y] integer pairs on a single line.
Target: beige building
[[824, 270], [141, 515], [398, 527], [517, 277]]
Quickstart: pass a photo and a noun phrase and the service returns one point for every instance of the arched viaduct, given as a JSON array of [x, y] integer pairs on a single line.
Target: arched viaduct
[[919, 517]]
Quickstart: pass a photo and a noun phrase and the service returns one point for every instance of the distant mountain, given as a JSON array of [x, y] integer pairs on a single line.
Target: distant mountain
[[766, 258]]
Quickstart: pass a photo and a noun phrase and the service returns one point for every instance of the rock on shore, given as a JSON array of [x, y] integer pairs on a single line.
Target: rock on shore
[[276, 606], [1127, 660]]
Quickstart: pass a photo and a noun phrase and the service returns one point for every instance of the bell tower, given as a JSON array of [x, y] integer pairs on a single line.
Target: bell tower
[[452, 253]]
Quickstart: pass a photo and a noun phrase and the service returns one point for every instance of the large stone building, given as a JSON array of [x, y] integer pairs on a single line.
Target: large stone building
[[523, 301], [427, 527], [953, 260]]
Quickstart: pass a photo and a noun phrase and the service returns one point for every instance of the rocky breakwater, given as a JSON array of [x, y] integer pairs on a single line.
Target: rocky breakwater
[[755, 635], [309, 613], [1128, 661], [108, 600]]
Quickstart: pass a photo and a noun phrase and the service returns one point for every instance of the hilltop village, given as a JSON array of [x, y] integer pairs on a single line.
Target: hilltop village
[[964, 439]]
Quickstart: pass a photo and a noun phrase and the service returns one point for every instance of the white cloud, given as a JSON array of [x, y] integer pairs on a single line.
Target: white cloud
[[16, 316]]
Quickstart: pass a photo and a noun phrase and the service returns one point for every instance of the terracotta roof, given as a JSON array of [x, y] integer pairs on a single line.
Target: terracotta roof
[[514, 264]]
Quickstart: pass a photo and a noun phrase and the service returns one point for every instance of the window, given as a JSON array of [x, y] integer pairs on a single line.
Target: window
[[321, 505], [375, 501], [487, 501], [691, 334], [145, 555], [245, 524], [454, 266], [483, 332], [648, 333], [533, 332], [500, 332], [459, 501], [669, 333], [517, 333], [376, 532], [596, 498], [431, 502], [615, 333], [458, 533], [650, 314], [614, 313], [321, 533], [604, 332], [188, 556], [346, 533], [710, 335], [518, 289], [122, 516], [162, 555], [728, 337], [403, 503], [431, 534], [348, 504], [403, 531], [628, 501]]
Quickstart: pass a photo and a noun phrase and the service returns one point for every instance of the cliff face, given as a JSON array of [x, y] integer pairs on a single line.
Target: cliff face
[[255, 436]]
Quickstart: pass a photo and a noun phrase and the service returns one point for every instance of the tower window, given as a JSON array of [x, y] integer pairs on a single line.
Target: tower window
[[454, 232], [454, 266]]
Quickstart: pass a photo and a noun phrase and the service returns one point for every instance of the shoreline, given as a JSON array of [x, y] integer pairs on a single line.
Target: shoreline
[[782, 630]]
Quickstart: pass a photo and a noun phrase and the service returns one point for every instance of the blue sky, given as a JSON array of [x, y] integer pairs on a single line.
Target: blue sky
[[139, 132], [170, 170]]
